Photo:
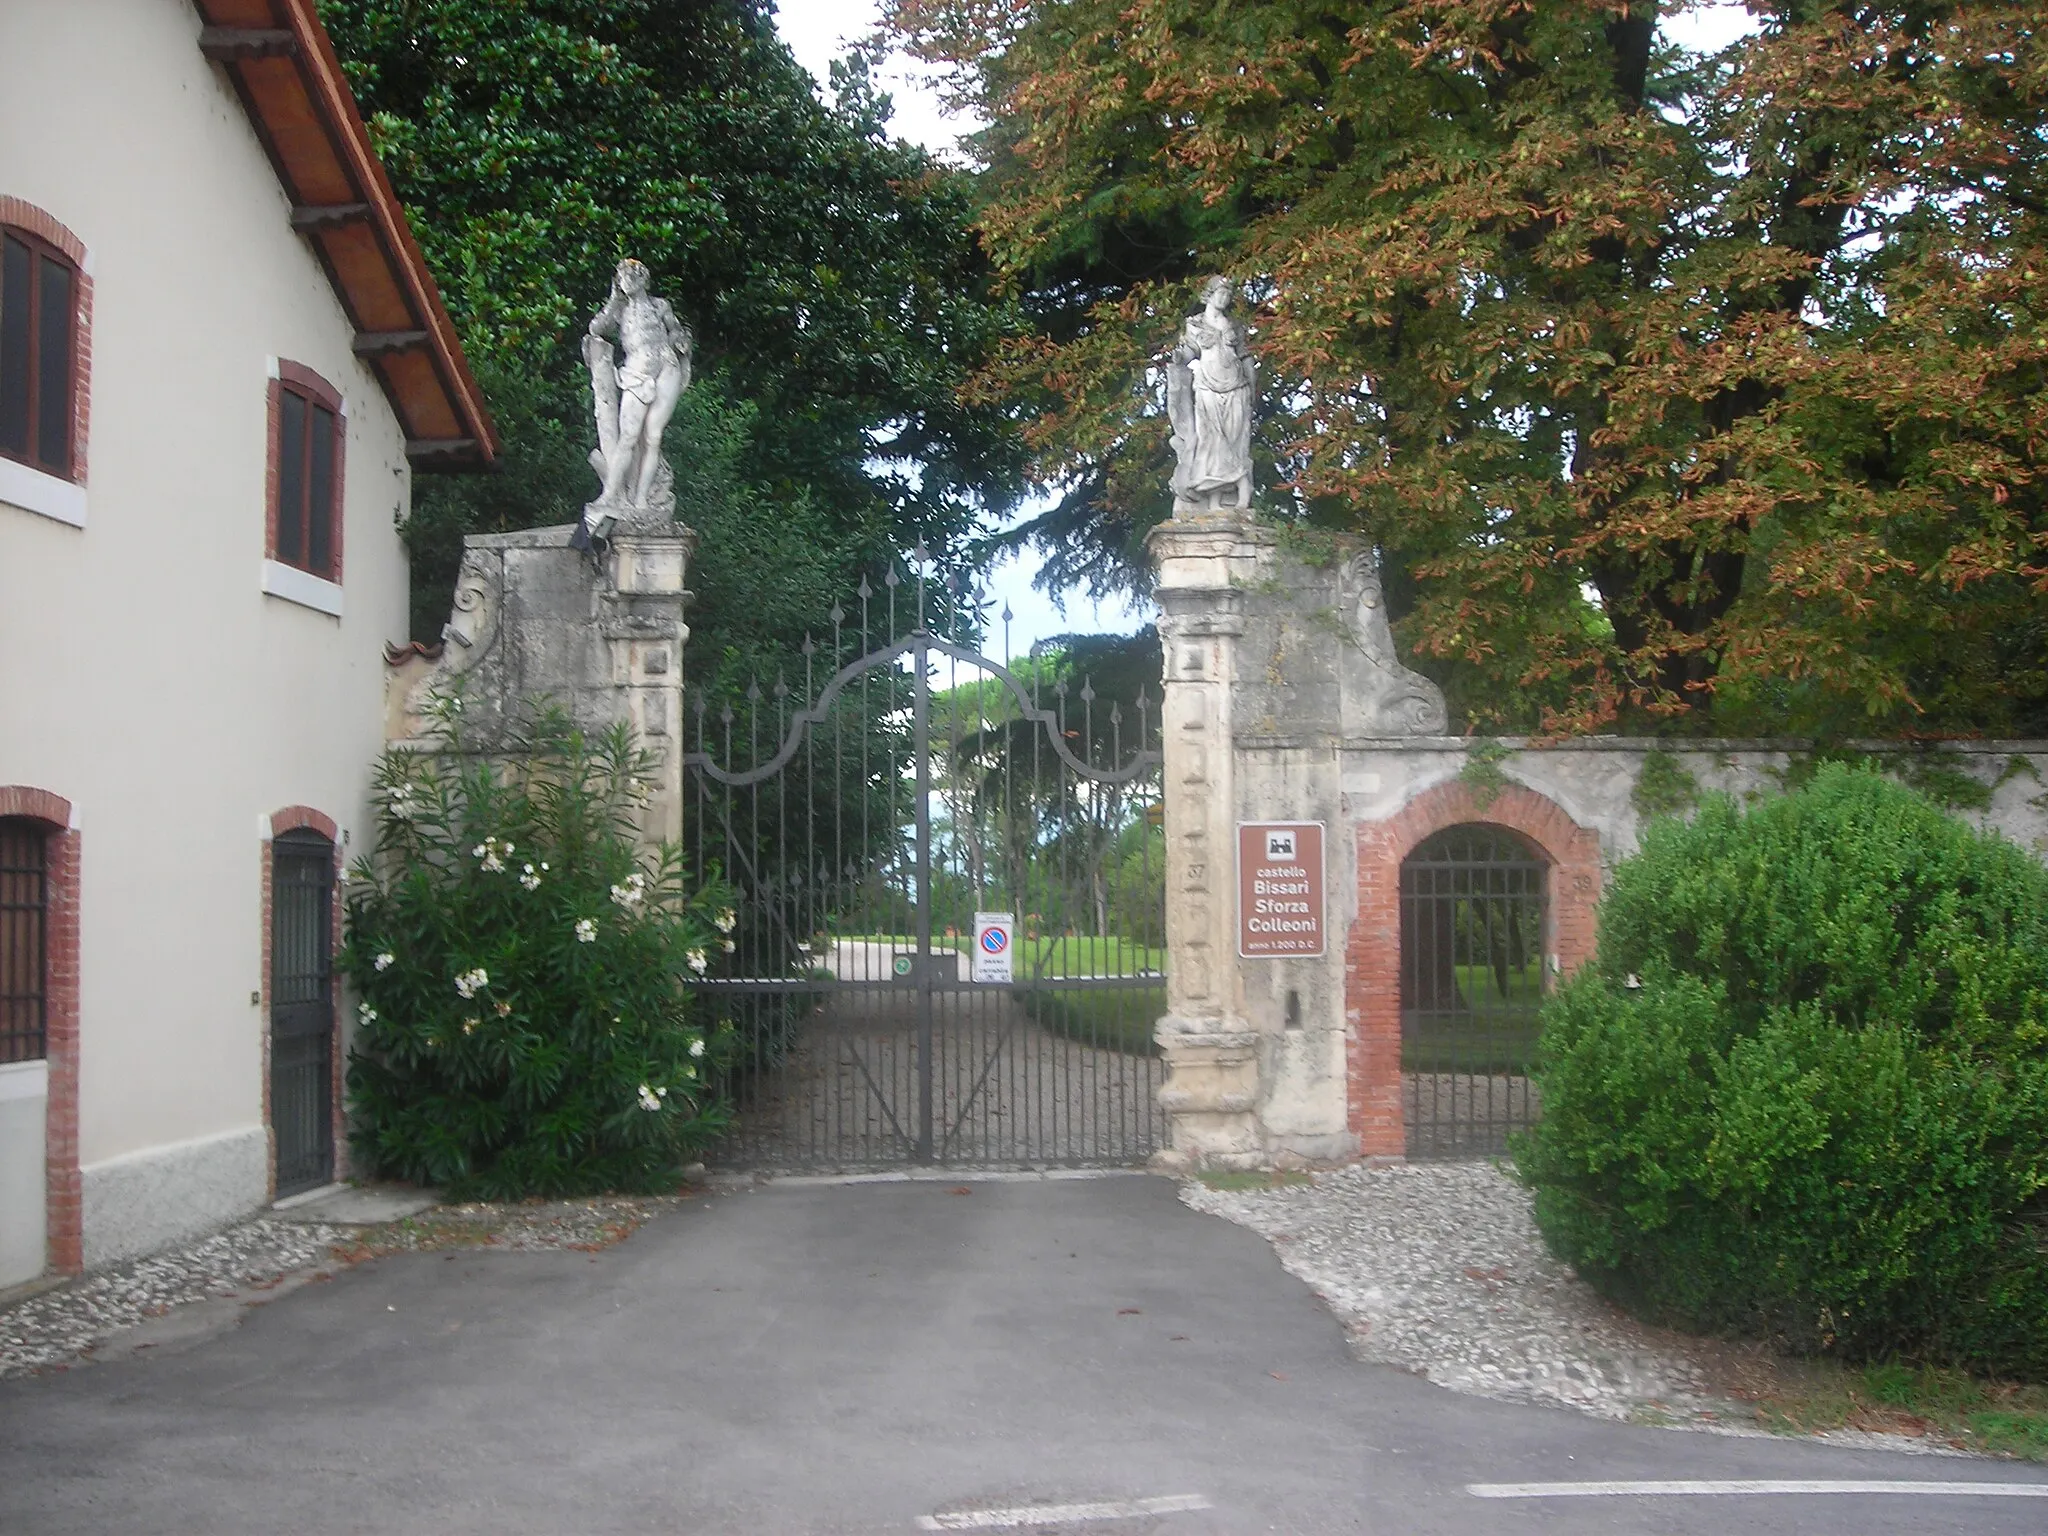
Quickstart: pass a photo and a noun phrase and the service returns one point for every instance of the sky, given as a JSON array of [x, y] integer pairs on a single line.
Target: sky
[[818, 31]]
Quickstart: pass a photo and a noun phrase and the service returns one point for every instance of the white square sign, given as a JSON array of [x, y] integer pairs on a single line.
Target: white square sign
[[995, 939]]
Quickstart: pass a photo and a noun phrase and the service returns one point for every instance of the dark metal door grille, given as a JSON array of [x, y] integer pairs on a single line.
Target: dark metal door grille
[[864, 817], [1473, 914], [24, 939], [302, 1009]]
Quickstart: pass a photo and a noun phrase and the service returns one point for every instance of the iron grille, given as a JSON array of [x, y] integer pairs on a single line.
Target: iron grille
[[1473, 917], [866, 805], [24, 940], [302, 1009]]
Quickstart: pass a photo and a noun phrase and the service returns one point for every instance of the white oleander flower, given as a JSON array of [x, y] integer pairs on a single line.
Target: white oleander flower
[[728, 946], [586, 930], [632, 893], [469, 983], [366, 1013], [650, 1098], [531, 879], [469, 1024], [492, 854], [696, 1047], [385, 960], [725, 920], [697, 961]]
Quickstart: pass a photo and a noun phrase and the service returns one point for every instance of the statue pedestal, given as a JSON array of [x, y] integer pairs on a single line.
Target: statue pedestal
[[534, 619]]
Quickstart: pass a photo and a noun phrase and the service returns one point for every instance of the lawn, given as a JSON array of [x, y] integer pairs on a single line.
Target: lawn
[[1109, 1018], [1496, 1037]]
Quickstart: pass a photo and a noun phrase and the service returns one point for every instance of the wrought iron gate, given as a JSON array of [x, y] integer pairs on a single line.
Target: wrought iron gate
[[865, 815], [1472, 945], [302, 1009]]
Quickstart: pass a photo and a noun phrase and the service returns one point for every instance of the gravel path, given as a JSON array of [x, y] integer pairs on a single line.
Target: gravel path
[[1439, 1269]]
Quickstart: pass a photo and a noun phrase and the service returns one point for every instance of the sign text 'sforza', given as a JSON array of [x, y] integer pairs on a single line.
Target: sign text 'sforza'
[[1279, 888]]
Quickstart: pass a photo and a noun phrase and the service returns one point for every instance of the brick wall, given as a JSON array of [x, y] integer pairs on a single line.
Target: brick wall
[[1372, 961]]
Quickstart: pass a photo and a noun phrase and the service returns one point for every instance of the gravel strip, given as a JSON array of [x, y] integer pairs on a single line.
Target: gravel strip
[[59, 1326], [1438, 1269], [583, 1226]]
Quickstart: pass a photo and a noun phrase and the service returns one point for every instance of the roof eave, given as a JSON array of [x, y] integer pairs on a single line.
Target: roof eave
[[284, 70]]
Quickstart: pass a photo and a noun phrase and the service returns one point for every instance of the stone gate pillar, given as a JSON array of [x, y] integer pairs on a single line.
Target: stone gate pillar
[[1276, 653], [537, 619]]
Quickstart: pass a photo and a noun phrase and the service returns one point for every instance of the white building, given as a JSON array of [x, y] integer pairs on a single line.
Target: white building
[[221, 361]]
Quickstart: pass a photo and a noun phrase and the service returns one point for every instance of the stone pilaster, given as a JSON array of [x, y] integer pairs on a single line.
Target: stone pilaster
[[1272, 655], [644, 631], [1211, 1051]]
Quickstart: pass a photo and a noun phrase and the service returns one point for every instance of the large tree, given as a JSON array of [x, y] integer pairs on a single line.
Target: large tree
[[1683, 388], [828, 269]]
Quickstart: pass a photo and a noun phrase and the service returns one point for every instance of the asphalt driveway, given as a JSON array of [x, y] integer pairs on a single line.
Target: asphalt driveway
[[868, 1358]]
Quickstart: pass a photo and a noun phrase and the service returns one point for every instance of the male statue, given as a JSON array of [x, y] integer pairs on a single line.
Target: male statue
[[1209, 404], [634, 399]]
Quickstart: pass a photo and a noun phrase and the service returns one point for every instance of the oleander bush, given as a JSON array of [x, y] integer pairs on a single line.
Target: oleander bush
[[1802, 1090], [525, 1024]]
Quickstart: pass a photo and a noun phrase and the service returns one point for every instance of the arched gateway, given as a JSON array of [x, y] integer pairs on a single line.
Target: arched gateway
[[1470, 905]]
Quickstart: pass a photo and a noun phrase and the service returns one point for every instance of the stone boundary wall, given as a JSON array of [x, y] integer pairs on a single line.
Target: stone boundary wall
[[1576, 803]]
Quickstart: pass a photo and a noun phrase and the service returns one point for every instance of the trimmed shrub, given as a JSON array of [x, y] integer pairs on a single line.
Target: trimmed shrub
[[525, 1026], [1802, 1090]]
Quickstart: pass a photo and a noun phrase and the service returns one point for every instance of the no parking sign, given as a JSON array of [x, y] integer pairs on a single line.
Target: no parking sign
[[994, 938]]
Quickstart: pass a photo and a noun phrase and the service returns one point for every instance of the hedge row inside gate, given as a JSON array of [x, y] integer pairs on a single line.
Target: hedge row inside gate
[[1802, 1091]]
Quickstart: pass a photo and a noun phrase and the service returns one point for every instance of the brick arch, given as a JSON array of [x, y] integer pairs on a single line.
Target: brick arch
[[1372, 964], [303, 818], [63, 1241], [45, 226], [35, 804]]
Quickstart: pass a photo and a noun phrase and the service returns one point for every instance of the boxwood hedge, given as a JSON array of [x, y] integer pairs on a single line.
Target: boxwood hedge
[[1802, 1090]]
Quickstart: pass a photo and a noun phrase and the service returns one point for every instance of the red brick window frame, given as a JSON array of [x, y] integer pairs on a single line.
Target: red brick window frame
[[45, 342], [61, 863], [308, 432]]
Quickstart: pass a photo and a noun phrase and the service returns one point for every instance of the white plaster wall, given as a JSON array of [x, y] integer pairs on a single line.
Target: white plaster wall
[[22, 1095], [143, 673]]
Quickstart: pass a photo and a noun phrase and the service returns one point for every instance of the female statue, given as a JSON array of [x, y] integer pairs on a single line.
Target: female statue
[[1209, 403]]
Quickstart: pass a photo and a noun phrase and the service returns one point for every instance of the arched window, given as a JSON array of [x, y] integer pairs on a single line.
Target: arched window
[[1473, 914], [306, 437], [24, 939], [39, 294]]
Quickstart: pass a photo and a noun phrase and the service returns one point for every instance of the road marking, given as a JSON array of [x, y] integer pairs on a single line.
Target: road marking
[[1752, 1486], [1060, 1514]]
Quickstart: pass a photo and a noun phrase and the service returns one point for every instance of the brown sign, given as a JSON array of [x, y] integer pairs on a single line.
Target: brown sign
[[1279, 888]]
